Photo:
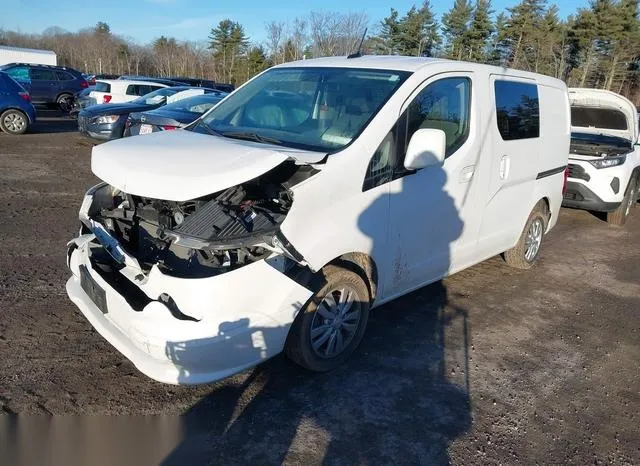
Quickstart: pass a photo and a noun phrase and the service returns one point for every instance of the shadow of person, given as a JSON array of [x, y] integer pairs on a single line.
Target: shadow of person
[[392, 402]]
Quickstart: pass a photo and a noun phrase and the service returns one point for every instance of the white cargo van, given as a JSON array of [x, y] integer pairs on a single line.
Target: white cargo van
[[604, 163], [314, 192]]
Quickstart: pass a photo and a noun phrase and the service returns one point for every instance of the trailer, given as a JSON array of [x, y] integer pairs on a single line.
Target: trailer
[[22, 55]]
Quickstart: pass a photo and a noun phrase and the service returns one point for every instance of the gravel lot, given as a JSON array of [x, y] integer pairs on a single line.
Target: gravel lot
[[491, 366]]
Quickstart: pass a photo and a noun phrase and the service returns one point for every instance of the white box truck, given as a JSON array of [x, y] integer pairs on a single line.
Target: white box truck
[[21, 55]]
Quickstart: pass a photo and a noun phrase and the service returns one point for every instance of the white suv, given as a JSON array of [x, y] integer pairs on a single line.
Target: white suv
[[314, 192], [604, 163], [115, 91]]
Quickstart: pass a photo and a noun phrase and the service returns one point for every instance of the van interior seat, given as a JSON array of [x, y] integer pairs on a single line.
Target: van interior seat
[[351, 117], [266, 112]]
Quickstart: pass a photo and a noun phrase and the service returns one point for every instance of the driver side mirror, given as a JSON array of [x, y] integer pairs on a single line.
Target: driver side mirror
[[426, 148]]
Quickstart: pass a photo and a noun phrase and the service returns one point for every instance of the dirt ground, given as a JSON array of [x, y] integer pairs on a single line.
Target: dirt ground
[[491, 366]]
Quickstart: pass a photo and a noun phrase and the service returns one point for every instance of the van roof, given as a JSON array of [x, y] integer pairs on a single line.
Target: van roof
[[403, 63], [389, 62]]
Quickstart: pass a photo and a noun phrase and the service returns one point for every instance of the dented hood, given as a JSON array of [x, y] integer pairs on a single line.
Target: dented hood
[[182, 165], [582, 98]]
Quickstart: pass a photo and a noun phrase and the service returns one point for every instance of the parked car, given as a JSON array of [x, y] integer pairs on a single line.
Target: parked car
[[266, 227], [165, 81], [17, 112], [50, 85], [224, 87], [604, 161], [82, 99], [90, 78], [196, 82], [115, 91], [107, 76], [172, 116], [105, 122]]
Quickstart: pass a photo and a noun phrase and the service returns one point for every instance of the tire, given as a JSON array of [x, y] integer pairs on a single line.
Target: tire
[[619, 216], [525, 254], [64, 102], [14, 122], [314, 319]]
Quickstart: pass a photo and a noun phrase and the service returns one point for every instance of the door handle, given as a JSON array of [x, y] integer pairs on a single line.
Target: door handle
[[467, 173], [505, 164]]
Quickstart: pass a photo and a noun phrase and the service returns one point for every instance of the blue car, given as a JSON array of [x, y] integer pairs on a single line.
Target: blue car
[[49, 85], [173, 116], [17, 112]]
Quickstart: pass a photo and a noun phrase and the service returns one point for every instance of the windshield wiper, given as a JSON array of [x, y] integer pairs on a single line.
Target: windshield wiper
[[208, 129], [251, 137]]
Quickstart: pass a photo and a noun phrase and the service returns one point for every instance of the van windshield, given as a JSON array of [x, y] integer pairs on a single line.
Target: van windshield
[[321, 109]]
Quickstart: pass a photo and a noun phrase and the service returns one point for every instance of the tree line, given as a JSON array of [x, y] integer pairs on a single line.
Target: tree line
[[597, 46]]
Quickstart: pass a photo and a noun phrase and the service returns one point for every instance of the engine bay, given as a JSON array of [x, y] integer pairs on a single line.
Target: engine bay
[[205, 236], [596, 145]]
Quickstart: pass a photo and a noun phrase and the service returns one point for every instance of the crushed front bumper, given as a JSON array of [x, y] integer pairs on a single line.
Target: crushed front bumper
[[209, 329]]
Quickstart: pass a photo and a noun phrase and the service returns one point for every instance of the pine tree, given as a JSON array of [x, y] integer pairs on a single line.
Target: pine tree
[[256, 61], [228, 41], [500, 43], [455, 28], [604, 42], [522, 31], [622, 44], [582, 44], [551, 47], [418, 32], [389, 37], [480, 31]]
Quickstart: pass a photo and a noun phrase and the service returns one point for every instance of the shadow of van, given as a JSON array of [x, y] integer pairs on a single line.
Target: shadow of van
[[392, 402]]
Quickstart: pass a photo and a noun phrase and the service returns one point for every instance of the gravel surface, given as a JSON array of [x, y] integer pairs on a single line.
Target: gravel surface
[[491, 366]]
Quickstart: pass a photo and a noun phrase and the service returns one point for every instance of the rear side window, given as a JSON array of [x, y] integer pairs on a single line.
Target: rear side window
[[19, 73], [517, 110], [39, 74], [64, 76], [141, 89], [102, 87], [605, 118]]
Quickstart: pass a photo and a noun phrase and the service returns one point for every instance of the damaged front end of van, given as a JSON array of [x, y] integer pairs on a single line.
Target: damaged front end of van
[[191, 286]]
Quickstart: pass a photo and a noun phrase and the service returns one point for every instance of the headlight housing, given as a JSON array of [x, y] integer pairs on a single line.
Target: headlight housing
[[609, 162], [107, 119]]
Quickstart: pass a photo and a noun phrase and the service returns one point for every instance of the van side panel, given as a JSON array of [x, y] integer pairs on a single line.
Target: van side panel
[[514, 166], [555, 128]]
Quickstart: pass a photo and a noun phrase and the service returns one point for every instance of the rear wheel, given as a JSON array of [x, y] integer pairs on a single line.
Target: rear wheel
[[65, 102], [14, 122], [526, 252], [621, 214], [331, 325]]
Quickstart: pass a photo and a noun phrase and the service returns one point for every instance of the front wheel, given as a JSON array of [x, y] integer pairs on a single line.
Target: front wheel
[[526, 252], [14, 122], [619, 216], [331, 325]]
